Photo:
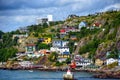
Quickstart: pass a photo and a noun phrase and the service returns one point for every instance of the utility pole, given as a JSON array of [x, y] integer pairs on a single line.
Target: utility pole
[[118, 57]]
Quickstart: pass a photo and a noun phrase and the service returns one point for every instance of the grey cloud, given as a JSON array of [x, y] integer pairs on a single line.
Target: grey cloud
[[18, 13], [21, 4]]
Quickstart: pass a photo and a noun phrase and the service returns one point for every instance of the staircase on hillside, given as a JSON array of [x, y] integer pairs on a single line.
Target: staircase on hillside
[[77, 48]]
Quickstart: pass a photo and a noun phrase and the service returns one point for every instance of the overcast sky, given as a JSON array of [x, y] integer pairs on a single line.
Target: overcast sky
[[20, 13]]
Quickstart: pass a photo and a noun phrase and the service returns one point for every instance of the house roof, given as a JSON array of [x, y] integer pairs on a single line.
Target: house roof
[[111, 59], [97, 24], [62, 30], [71, 28], [64, 47], [30, 45], [66, 53], [82, 24], [44, 50]]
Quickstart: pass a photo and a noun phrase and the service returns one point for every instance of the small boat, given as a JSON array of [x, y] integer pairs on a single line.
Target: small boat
[[68, 76], [30, 70]]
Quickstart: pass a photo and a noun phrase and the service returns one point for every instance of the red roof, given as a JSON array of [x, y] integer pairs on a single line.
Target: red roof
[[97, 24], [73, 65], [30, 44], [71, 28], [62, 30]]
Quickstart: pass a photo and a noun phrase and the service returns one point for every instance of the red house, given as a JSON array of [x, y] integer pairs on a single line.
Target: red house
[[62, 31], [73, 65], [97, 24]]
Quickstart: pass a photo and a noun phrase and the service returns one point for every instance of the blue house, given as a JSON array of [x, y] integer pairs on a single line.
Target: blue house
[[59, 43], [66, 53], [41, 39], [82, 24], [61, 47]]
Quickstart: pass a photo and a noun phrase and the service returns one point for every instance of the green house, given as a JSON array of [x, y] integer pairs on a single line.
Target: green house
[[30, 48]]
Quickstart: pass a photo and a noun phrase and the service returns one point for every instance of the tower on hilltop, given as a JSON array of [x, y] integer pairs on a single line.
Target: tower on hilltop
[[50, 17]]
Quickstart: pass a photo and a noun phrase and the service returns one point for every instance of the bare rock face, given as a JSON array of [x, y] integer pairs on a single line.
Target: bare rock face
[[81, 43], [103, 48], [118, 45], [118, 33], [100, 35], [111, 31]]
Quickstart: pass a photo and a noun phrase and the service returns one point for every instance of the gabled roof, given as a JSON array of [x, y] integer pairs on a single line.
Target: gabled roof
[[97, 24], [30, 45]]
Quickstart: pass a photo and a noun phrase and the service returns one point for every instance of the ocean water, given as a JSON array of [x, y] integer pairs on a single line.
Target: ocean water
[[43, 75]]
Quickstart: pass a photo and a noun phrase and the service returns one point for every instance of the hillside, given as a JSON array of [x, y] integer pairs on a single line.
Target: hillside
[[107, 39], [93, 42]]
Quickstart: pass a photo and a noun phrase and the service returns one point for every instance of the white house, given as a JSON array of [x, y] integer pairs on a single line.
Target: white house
[[0, 63], [26, 63], [60, 50], [42, 20], [63, 49], [50, 17], [83, 62], [34, 55], [111, 60], [82, 24], [47, 19], [20, 35], [119, 62], [54, 49], [77, 57]]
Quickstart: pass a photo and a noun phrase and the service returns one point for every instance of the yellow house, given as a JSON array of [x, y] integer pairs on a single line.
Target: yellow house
[[99, 62], [63, 56], [47, 40]]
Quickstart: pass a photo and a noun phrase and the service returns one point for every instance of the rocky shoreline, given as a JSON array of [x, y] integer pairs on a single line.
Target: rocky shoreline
[[107, 74], [42, 69], [102, 74]]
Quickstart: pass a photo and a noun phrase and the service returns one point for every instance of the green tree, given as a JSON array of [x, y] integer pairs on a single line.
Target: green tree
[[6, 53], [15, 40], [36, 34], [43, 46], [68, 60], [53, 30], [53, 57], [71, 46], [45, 25], [90, 47], [58, 63], [1, 33], [113, 54]]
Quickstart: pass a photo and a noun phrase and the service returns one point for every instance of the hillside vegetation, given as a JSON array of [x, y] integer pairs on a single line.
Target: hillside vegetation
[[96, 42]]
